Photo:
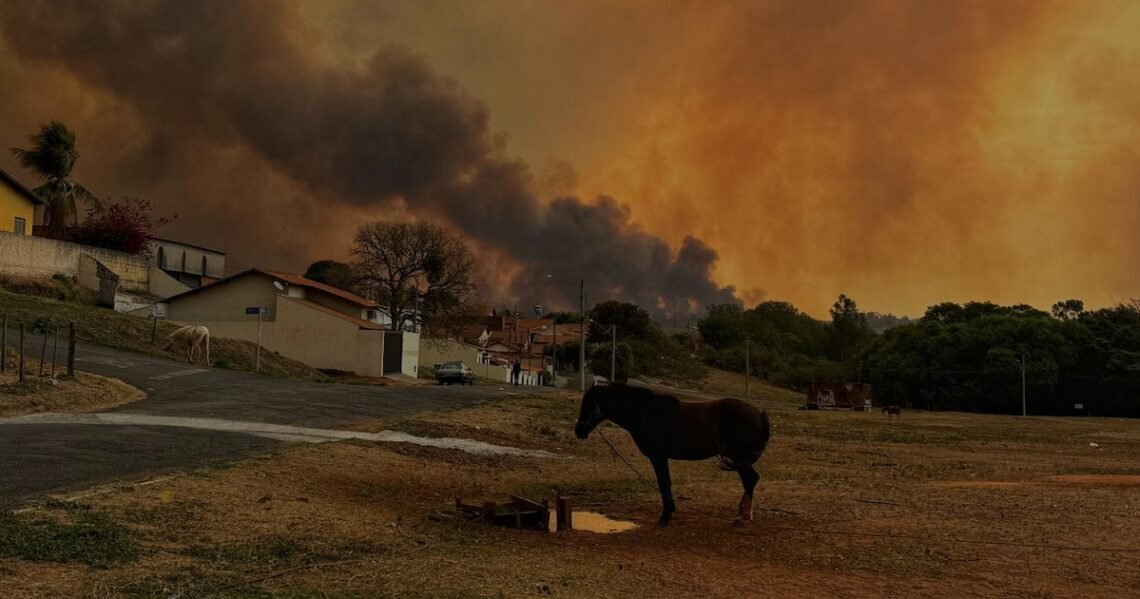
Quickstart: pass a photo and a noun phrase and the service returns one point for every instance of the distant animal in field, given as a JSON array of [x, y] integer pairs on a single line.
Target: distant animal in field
[[666, 428], [194, 336], [892, 411]]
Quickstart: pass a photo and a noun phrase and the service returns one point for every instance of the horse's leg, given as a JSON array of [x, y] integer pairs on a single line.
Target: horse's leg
[[665, 485], [748, 479]]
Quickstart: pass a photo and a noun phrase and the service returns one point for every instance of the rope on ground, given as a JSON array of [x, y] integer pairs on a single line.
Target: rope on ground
[[846, 533], [280, 573]]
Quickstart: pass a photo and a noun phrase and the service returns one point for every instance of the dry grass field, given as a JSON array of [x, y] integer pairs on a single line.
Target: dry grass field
[[850, 505]]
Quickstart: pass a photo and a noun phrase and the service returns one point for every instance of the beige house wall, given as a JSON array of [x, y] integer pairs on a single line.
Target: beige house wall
[[227, 304], [345, 307], [28, 256], [437, 351], [299, 332], [369, 352], [324, 341]]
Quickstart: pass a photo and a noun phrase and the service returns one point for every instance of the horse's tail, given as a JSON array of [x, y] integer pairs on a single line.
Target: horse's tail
[[745, 459]]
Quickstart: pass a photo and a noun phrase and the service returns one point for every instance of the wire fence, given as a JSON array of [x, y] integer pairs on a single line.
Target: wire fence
[[19, 333]]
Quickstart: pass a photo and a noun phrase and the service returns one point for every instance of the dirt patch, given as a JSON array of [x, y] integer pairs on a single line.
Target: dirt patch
[[1125, 480], [423, 428], [979, 484], [84, 393]]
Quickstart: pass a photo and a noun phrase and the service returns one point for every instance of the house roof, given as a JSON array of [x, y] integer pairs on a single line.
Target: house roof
[[311, 284], [189, 245], [288, 278], [364, 324], [23, 189]]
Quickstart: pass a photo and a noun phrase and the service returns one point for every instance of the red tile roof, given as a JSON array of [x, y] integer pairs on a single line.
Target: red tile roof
[[364, 324], [288, 278], [300, 281]]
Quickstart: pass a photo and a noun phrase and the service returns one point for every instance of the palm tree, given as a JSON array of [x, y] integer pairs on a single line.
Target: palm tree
[[52, 157]]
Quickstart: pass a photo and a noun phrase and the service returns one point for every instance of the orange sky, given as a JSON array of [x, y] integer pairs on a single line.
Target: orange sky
[[903, 153]]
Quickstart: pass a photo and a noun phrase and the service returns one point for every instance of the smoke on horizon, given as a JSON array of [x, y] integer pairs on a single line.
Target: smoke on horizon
[[217, 88]]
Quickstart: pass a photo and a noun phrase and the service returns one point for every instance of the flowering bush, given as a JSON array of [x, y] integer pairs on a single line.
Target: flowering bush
[[125, 226]]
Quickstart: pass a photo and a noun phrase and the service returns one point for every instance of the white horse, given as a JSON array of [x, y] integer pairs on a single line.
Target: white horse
[[193, 336]]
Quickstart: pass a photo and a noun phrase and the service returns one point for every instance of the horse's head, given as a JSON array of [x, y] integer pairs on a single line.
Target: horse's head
[[590, 416]]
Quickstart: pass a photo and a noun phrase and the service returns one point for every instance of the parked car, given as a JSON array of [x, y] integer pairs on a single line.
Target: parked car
[[454, 372]]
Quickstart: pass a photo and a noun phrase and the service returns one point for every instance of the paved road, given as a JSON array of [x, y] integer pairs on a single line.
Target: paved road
[[40, 458]]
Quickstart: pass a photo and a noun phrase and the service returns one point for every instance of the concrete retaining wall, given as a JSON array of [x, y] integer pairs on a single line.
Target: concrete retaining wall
[[95, 276], [163, 285], [38, 257]]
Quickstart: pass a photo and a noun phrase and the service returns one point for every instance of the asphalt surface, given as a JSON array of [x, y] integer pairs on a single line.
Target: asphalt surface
[[38, 459]]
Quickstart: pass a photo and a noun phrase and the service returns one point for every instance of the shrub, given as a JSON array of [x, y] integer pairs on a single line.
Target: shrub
[[125, 226]]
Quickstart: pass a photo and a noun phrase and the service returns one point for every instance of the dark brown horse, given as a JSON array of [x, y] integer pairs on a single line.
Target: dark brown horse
[[892, 411], [666, 428]]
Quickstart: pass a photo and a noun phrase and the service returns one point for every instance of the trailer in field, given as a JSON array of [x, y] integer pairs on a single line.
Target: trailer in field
[[839, 396]]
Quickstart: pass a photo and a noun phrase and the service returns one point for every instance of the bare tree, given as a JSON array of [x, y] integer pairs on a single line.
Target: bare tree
[[419, 273]]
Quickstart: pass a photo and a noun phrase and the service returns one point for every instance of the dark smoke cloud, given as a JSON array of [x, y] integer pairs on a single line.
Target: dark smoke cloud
[[235, 76]]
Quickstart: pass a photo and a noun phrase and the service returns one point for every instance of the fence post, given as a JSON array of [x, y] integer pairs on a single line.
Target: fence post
[[71, 348], [55, 351], [43, 349], [4, 346], [21, 366]]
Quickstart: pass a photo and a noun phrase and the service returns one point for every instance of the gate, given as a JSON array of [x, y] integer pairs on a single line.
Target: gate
[[393, 352]]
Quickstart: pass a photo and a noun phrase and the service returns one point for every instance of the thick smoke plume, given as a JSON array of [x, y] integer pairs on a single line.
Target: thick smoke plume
[[209, 93], [903, 153]]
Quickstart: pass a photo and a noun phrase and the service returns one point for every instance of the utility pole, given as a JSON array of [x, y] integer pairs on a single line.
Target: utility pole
[[554, 355], [257, 365], [1023, 411], [747, 369], [582, 334], [613, 356], [4, 345]]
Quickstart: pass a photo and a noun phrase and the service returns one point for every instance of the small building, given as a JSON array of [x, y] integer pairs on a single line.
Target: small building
[[839, 396], [18, 205], [322, 326], [191, 265]]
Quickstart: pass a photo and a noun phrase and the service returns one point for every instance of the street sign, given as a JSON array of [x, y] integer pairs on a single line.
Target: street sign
[[158, 311], [254, 310]]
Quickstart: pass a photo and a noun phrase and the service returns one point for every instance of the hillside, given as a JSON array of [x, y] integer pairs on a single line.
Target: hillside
[[40, 300]]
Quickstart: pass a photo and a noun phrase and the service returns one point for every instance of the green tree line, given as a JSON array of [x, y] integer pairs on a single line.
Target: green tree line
[[956, 357]]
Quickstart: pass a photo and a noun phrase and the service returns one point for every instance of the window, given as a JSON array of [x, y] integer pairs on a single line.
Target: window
[[21, 226], [161, 258]]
